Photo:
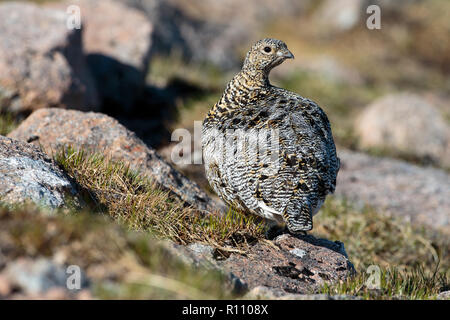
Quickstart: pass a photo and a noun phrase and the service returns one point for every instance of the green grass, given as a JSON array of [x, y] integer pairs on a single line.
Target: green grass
[[394, 284], [8, 123], [135, 201], [120, 263], [414, 260], [126, 260]]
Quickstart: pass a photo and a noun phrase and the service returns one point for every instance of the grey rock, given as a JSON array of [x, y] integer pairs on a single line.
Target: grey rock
[[298, 252], [266, 293], [275, 267], [445, 295], [41, 62], [195, 254], [419, 194], [117, 43], [387, 124], [199, 255], [211, 31], [27, 174], [339, 15], [39, 276], [54, 128]]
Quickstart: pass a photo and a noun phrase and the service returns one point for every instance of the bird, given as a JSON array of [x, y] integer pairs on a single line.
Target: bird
[[268, 151]]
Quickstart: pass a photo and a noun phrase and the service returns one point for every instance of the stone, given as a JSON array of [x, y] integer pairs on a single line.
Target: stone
[[26, 174], [418, 194], [445, 295], [117, 41], [265, 293], [274, 266], [55, 128], [42, 62], [387, 124], [335, 16], [211, 31], [39, 276], [5, 286]]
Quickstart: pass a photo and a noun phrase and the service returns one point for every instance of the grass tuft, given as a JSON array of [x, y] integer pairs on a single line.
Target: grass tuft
[[137, 202], [394, 284], [8, 123], [121, 264], [413, 260]]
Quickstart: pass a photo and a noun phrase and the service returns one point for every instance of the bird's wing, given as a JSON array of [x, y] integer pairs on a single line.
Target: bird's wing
[[304, 164]]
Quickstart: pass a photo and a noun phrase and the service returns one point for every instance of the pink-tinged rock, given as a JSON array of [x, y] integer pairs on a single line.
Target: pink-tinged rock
[[41, 61], [408, 124], [420, 195], [117, 41], [55, 128]]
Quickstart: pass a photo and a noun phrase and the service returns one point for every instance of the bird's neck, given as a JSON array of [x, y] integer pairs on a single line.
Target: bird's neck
[[245, 87], [253, 78]]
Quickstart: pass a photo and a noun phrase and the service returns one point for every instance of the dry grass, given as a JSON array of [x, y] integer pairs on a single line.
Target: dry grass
[[136, 201], [415, 284], [8, 123], [120, 263], [374, 238], [414, 260]]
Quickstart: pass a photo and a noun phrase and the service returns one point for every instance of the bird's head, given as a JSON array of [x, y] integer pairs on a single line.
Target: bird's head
[[266, 54]]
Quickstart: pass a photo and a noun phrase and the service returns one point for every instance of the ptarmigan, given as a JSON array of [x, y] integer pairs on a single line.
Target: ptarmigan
[[269, 151]]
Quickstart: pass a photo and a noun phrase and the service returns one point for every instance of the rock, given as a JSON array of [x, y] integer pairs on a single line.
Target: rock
[[420, 195], [5, 286], [55, 128], [276, 266], [27, 174], [265, 293], [177, 32], [117, 43], [445, 295], [287, 267], [195, 254], [211, 31], [335, 16], [41, 62], [405, 123], [40, 276]]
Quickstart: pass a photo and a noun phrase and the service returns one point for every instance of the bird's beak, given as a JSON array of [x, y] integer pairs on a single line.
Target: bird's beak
[[286, 54]]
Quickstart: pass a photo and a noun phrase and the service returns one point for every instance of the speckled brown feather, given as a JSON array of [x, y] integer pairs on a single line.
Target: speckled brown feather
[[290, 180]]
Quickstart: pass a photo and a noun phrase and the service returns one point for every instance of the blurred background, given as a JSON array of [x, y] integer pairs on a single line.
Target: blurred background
[[159, 65]]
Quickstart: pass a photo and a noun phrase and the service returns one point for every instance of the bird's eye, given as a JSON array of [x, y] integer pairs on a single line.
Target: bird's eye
[[267, 49]]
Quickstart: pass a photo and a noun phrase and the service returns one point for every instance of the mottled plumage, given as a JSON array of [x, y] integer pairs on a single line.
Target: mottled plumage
[[269, 151]]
